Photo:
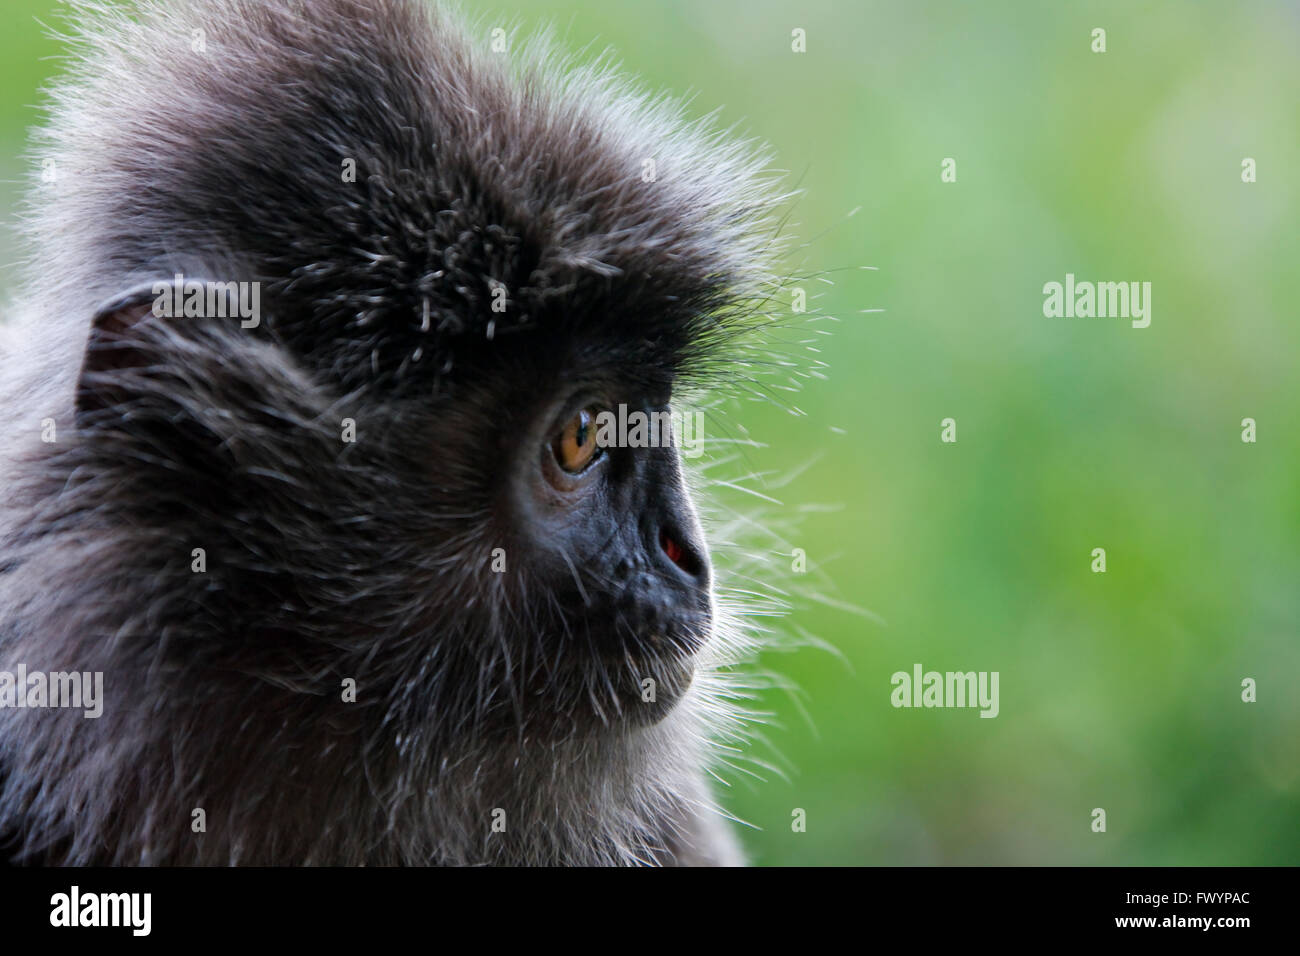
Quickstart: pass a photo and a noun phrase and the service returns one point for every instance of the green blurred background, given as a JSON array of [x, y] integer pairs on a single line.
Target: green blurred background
[[1119, 690]]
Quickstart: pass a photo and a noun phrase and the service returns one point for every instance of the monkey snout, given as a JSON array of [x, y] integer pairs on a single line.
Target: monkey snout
[[655, 612]]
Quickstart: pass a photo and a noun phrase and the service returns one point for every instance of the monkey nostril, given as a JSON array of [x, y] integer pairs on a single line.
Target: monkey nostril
[[680, 555]]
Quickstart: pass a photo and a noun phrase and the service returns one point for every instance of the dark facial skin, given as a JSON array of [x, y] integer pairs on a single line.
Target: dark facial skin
[[622, 547], [611, 556]]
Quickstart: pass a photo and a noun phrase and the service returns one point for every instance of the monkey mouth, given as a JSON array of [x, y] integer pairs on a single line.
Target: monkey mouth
[[671, 652], [682, 642], [667, 656], [658, 629]]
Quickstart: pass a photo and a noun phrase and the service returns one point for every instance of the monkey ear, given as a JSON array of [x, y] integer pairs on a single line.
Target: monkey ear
[[113, 346]]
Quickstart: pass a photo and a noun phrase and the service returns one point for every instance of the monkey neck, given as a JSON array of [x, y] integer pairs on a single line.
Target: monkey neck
[[284, 781]]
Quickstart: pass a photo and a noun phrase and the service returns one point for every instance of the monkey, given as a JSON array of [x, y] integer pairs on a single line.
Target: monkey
[[323, 302]]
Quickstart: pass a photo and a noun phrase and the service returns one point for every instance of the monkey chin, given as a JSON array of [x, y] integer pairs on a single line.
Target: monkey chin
[[627, 688], [664, 682], [656, 668]]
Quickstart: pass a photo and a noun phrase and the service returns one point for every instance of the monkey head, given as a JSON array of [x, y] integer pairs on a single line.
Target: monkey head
[[396, 471]]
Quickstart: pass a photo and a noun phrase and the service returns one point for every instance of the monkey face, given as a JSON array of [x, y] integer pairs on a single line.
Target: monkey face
[[612, 529], [591, 565]]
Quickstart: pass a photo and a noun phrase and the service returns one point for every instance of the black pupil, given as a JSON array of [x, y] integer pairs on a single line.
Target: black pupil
[[580, 436]]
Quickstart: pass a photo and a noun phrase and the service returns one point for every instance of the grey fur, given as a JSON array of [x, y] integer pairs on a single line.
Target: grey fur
[[330, 561]]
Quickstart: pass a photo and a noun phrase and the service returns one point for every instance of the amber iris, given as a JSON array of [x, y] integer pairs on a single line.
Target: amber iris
[[575, 446]]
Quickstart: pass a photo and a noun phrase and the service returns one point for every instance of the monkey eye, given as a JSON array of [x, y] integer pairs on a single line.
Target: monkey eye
[[575, 446]]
